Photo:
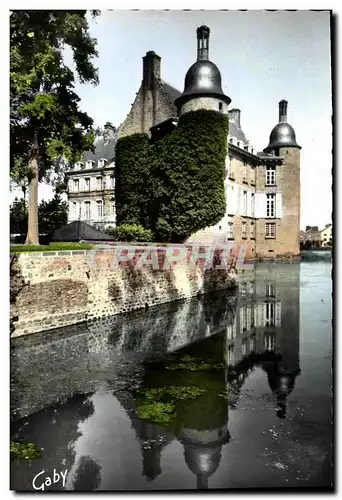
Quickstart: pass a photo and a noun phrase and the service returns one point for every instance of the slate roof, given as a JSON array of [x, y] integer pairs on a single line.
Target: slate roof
[[234, 131], [171, 93], [79, 230], [103, 149]]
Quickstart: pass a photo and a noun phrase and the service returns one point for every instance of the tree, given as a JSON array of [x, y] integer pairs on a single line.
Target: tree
[[52, 214], [18, 216], [47, 128]]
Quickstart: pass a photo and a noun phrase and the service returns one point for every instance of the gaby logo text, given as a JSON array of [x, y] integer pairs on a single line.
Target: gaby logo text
[[40, 481]]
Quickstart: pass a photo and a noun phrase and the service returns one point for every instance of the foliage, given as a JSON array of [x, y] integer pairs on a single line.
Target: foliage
[[130, 232], [47, 128], [53, 247], [178, 181], [24, 451], [18, 216], [131, 179], [52, 214]]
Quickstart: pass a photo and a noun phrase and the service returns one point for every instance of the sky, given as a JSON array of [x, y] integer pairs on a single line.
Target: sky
[[263, 57]]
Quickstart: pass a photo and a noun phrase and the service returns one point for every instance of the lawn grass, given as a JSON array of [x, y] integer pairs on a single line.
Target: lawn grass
[[53, 247]]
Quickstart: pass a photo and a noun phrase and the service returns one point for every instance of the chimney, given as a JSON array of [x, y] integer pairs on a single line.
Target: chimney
[[203, 33], [283, 111], [151, 69], [234, 115], [109, 132]]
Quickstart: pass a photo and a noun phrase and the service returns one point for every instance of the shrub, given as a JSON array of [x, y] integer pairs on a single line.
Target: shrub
[[174, 186], [131, 179], [131, 232]]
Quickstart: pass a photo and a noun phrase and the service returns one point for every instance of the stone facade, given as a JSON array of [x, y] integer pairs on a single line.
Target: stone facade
[[286, 240], [91, 183], [154, 100], [71, 287], [209, 103]]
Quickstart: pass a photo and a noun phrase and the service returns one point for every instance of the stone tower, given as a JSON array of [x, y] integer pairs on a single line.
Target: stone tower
[[203, 84], [278, 187]]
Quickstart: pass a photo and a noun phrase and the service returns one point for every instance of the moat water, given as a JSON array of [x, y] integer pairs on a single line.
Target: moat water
[[257, 364]]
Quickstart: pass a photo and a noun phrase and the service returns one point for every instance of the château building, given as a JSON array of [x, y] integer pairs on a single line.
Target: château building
[[262, 188], [91, 183]]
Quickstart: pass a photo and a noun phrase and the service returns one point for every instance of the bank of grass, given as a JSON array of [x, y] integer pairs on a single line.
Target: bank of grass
[[53, 247]]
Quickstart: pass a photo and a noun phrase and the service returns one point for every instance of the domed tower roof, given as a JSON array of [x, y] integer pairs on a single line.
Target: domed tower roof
[[203, 78], [282, 134]]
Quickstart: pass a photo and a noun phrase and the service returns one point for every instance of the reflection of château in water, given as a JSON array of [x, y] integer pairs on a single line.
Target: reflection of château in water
[[265, 332], [267, 321]]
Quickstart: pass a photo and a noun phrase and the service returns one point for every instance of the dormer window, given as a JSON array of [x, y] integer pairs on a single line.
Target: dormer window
[[90, 164], [220, 106], [240, 144], [79, 165], [102, 162], [233, 141]]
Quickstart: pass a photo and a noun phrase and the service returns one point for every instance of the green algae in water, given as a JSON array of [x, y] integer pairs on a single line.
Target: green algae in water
[[159, 404], [193, 364], [158, 412], [24, 451]]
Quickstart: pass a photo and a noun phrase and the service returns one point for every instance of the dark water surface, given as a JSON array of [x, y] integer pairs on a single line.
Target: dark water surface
[[260, 361]]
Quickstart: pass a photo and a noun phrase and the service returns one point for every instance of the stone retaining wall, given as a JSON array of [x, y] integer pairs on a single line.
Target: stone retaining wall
[[56, 289]]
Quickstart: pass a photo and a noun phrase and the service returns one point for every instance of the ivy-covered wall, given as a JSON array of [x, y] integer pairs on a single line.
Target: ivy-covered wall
[[174, 186]]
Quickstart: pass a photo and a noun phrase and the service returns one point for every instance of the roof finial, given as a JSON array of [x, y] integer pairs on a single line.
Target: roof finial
[[203, 33]]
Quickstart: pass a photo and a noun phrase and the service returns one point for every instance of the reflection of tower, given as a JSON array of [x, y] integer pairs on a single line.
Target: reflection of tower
[[153, 438], [202, 451], [281, 327], [282, 383]]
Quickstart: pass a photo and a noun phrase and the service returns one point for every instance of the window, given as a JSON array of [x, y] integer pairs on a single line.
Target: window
[[74, 209], [270, 292], [231, 170], [112, 182], [252, 230], [244, 172], [244, 203], [269, 342], [252, 343], [112, 207], [90, 164], [244, 347], [252, 204], [99, 209], [220, 106], [230, 227], [270, 205], [244, 230], [220, 228], [231, 355], [87, 184], [253, 175], [270, 176], [270, 314], [270, 230], [102, 162], [243, 289], [76, 185], [87, 210], [99, 183]]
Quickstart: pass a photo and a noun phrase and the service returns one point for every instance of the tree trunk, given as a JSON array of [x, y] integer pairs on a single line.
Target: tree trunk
[[32, 237]]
